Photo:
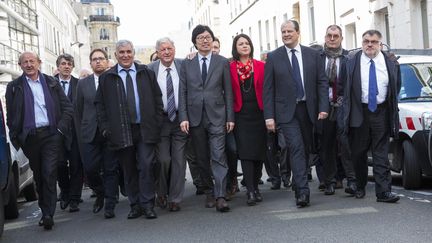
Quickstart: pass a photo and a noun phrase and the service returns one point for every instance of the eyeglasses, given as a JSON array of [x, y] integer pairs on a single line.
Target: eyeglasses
[[169, 49], [98, 59], [202, 38], [373, 42]]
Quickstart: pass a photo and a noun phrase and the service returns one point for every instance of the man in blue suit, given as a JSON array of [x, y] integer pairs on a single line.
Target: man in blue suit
[[295, 96]]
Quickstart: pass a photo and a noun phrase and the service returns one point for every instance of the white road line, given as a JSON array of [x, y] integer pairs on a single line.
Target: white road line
[[27, 223], [326, 213]]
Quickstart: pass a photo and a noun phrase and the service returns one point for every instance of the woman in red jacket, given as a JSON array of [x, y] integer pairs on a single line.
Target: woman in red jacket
[[247, 79]]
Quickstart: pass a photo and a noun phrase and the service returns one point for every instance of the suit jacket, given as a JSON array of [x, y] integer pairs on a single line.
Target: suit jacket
[[15, 113], [352, 106], [85, 109], [215, 96], [279, 95], [258, 79], [111, 106]]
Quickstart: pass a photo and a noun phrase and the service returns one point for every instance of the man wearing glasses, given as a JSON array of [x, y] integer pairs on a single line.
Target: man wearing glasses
[[206, 111], [371, 113]]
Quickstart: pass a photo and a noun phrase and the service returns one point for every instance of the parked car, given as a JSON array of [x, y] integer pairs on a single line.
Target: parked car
[[16, 177], [411, 152]]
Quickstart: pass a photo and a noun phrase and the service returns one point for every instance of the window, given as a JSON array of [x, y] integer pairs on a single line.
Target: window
[[260, 36], [424, 19], [104, 35], [312, 23]]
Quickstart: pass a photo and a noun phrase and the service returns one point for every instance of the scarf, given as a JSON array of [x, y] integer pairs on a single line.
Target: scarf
[[331, 70], [29, 124], [244, 70]]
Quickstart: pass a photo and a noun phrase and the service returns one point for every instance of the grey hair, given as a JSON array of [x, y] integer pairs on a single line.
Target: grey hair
[[163, 40], [28, 52], [124, 43]]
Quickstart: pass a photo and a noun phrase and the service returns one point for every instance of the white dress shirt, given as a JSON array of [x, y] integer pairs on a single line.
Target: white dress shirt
[[96, 79], [207, 61], [381, 74], [162, 81]]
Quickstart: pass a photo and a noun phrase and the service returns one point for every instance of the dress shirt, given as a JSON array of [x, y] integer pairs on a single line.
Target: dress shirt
[[96, 79], [67, 85], [162, 81], [207, 61], [40, 110], [337, 74], [298, 54], [381, 74], [132, 73]]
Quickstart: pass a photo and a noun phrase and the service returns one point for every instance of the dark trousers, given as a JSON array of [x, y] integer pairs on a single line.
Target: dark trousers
[[252, 171], [193, 164], [171, 163], [329, 150], [373, 133], [276, 162], [232, 161], [138, 162], [209, 144], [70, 173], [298, 137], [44, 149], [96, 158]]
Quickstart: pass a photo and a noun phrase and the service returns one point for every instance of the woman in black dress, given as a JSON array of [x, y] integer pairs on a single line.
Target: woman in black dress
[[247, 79]]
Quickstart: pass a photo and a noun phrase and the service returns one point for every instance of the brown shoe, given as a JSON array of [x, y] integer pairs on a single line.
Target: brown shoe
[[161, 202], [210, 201], [173, 207], [222, 205]]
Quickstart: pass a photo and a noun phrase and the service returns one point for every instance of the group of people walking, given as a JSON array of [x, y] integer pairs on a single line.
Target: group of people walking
[[140, 124]]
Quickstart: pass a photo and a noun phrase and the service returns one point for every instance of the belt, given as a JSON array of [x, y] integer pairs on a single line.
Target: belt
[[379, 106], [300, 102], [41, 129]]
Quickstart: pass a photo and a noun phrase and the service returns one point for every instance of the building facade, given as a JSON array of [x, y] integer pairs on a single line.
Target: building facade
[[99, 16]]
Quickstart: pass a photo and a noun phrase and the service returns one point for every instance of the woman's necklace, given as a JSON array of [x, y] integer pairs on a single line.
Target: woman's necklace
[[246, 90]]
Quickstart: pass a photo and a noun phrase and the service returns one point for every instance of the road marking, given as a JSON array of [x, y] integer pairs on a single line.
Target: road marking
[[27, 223], [325, 213]]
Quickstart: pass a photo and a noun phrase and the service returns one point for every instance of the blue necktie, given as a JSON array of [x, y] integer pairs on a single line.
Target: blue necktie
[[204, 69], [297, 75], [130, 97], [171, 110], [373, 87]]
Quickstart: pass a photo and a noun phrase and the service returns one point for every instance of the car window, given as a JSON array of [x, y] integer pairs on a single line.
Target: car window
[[416, 82]]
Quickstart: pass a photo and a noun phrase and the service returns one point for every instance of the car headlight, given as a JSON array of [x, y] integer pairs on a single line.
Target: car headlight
[[426, 120]]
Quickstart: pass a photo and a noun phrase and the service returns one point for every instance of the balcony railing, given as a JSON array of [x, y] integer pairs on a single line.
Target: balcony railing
[[104, 18], [9, 59], [26, 9]]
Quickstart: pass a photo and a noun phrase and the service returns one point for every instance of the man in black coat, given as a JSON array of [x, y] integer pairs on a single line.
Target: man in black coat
[[129, 112], [39, 117], [371, 113], [70, 171]]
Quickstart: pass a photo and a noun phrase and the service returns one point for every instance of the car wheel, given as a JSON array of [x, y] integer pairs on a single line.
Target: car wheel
[[411, 173], [11, 209], [30, 193]]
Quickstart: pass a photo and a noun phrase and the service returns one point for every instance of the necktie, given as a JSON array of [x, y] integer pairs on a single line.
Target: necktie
[[373, 87], [63, 84], [130, 95], [171, 109], [204, 69], [296, 74]]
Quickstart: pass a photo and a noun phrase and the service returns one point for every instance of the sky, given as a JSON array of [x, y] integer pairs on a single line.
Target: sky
[[145, 21]]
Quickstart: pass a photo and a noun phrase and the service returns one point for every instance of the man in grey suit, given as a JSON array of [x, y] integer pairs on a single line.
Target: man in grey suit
[[170, 150], [206, 110], [295, 96], [95, 152]]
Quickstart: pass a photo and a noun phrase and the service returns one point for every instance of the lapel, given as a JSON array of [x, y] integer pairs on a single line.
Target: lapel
[[92, 84], [305, 63], [156, 67], [285, 60], [213, 64], [356, 78], [195, 62]]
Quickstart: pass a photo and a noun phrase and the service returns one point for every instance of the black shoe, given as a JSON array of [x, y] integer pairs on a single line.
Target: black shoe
[[351, 188], [98, 204], [360, 193], [251, 200], [260, 182], [258, 196], [40, 223], [275, 185], [93, 194], [123, 191], [149, 213], [287, 183], [330, 189], [309, 176], [109, 213], [199, 192], [48, 222], [302, 200], [135, 212], [73, 207], [269, 179], [387, 197], [321, 186], [64, 203], [222, 205], [243, 183]]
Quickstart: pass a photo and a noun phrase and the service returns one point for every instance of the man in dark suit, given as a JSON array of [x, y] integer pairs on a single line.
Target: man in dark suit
[[39, 117], [170, 150], [332, 151], [130, 113], [295, 97], [371, 113], [206, 110], [70, 171], [95, 152]]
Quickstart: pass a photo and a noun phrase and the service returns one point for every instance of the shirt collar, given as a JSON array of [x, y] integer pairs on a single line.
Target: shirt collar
[[120, 68], [30, 80], [163, 67], [297, 48], [201, 56], [376, 59]]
